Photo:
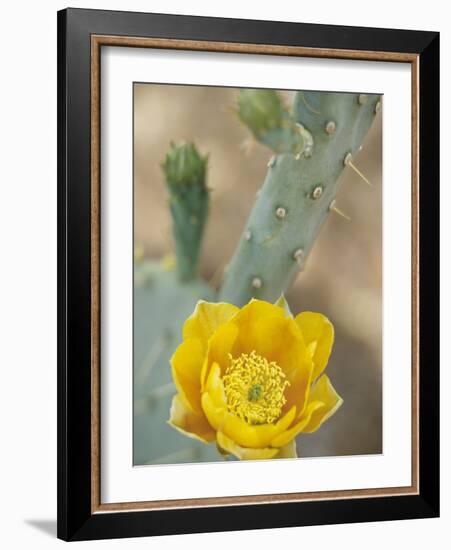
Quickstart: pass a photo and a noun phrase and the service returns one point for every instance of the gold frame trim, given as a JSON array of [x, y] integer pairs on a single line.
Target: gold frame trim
[[97, 41]]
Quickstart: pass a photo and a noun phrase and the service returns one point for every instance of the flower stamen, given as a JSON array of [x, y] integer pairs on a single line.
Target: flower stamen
[[254, 388]]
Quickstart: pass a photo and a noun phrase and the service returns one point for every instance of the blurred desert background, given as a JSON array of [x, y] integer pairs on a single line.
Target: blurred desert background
[[343, 275]]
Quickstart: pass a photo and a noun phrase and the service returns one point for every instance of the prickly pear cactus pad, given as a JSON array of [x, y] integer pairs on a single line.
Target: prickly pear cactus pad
[[298, 193], [235, 357], [161, 305]]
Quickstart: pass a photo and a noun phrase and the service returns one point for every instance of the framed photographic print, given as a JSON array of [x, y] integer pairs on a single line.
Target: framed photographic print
[[248, 274]]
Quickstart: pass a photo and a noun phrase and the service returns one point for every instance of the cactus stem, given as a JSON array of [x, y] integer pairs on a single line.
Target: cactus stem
[[298, 255], [333, 208], [347, 159], [330, 127], [268, 238], [305, 185], [363, 98], [272, 161], [317, 192], [281, 212], [248, 234], [308, 140], [309, 107], [256, 283], [348, 162]]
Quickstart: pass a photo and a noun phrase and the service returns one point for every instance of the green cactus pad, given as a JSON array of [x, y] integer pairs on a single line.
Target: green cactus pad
[[161, 305], [296, 196]]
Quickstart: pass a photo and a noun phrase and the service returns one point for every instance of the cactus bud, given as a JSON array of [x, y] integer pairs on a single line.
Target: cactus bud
[[264, 114], [185, 174], [184, 166]]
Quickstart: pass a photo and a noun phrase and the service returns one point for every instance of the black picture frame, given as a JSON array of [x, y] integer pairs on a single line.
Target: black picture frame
[[76, 519]]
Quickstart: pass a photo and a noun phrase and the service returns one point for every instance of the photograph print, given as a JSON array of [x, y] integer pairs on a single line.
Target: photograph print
[[257, 324]]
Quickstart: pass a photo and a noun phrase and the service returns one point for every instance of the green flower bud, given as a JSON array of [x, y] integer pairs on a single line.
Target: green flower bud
[[263, 112], [184, 166], [185, 174]]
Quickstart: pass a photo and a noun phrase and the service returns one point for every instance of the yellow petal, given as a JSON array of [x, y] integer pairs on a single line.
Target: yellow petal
[[244, 453], [265, 328], [296, 362], [250, 320], [189, 423], [256, 436], [186, 364], [297, 393], [215, 387], [282, 302], [288, 450], [206, 318], [214, 412], [319, 331], [323, 392], [219, 348], [267, 336], [242, 433], [285, 437]]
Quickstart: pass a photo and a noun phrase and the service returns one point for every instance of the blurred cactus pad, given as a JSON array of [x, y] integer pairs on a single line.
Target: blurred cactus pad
[[312, 143]]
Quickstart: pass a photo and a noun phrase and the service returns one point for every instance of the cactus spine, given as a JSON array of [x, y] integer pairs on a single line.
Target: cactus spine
[[298, 192], [185, 175]]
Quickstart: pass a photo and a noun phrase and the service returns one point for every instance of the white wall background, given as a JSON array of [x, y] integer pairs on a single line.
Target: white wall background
[[28, 271]]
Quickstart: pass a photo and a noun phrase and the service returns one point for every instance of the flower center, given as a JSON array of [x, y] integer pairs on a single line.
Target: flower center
[[255, 392], [254, 388]]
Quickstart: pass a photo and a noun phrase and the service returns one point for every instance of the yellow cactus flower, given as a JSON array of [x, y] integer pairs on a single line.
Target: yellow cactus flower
[[251, 379]]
